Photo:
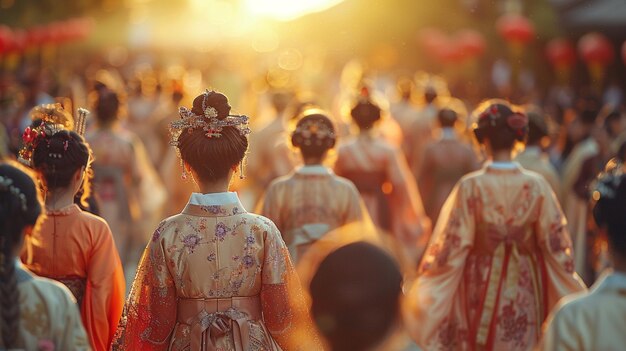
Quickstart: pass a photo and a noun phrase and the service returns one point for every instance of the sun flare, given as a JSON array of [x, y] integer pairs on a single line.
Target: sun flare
[[286, 10]]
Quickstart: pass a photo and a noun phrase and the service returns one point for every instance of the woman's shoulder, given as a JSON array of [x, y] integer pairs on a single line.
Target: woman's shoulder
[[53, 292]]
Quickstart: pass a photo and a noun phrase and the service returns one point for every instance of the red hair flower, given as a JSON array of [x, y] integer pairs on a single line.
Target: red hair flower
[[517, 121]]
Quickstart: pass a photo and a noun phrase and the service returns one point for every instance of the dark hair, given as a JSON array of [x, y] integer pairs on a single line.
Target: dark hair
[[107, 105], [499, 123], [314, 134], [212, 158], [610, 193], [356, 294], [447, 117], [365, 113], [611, 118], [537, 128], [20, 207], [57, 158]]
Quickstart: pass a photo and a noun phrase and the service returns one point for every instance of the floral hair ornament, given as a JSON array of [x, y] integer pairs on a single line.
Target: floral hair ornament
[[208, 121], [518, 123], [314, 129], [47, 120]]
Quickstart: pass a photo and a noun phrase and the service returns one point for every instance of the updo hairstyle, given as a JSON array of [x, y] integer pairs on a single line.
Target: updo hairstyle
[[212, 158], [500, 124], [314, 134]]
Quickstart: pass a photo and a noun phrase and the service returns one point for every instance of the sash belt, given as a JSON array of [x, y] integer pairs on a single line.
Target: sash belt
[[211, 319]]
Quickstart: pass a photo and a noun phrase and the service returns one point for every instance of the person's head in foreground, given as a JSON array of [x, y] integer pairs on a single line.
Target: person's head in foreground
[[609, 212], [314, 136], [499, 126], [212, 143], [356, 297], [20, 208]]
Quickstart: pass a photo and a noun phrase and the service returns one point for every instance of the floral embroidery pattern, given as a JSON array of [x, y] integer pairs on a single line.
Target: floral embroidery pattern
[[450, 336], [248, 261], [514, 325], [221, 230], [214, 209], [157, 233], [191, 241]]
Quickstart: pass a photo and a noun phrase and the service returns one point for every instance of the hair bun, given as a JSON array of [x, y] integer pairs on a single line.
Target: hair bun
[[213, 99]]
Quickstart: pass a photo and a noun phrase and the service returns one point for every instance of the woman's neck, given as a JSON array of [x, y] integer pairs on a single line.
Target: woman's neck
[[59, 198], [219, 186], [501, 156]]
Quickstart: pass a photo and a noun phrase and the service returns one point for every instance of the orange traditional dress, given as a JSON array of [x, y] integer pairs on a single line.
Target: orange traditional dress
[[500, 258], [214, 277], [309, 203], [381, 175], [77, 249]]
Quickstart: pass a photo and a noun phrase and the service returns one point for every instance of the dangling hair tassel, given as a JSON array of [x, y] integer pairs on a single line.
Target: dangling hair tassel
[[241, 175]]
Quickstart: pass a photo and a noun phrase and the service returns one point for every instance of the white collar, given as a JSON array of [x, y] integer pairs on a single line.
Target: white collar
[[314, 170], [448, 133], [211, 199], [502, 165], [611, 280]]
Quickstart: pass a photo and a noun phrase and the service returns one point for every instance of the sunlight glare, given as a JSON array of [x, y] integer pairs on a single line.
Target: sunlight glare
[[286, 10]]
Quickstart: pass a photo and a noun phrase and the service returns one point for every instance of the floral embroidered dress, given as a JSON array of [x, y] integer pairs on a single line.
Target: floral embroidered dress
[[309, 203], [214, 278], [77, 249], [49, 318], [500, 258]]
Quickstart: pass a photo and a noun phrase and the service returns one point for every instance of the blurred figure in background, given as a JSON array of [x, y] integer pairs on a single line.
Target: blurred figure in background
[[72, 246], [37, 313], [128, 189], [595, 320], [446, 160], [533, 157], [267, 162], [381, 175], [500, 255], [311, 201], [356, 301]]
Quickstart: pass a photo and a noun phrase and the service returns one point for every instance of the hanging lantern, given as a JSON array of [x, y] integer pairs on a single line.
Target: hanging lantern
[[561, 53], [597, 52], [595, 48], [432, 40], [6, 38], [515, 29], [471, 43]]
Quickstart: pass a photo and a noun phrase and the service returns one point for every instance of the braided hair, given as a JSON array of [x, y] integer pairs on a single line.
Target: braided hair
[[20, 207], [58, 157]]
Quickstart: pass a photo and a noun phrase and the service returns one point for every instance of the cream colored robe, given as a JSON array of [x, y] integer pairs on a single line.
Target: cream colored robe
[[499, 259], [309, 203], [48, 315], [590, 322]]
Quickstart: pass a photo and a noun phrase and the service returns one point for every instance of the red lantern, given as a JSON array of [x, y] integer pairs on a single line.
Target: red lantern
[[19, 40], [431, 39], [470, 42], [515, 28], [596, 49], [561, 53], [6, 38]]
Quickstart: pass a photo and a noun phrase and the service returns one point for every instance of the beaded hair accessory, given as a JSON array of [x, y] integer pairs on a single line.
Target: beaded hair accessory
[[208, 121], [314, 129], [52, 119], [6, 184]]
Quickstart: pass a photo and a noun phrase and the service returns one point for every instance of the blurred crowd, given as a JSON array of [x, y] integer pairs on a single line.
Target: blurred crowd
[[404, 139]]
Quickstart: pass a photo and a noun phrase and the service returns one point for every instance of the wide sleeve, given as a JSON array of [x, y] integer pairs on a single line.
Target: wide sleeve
[[355, 210], [283, 302], [150, 313], [104, 296], [430, 302], [556, 248], [270, 205], [409, 220]]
